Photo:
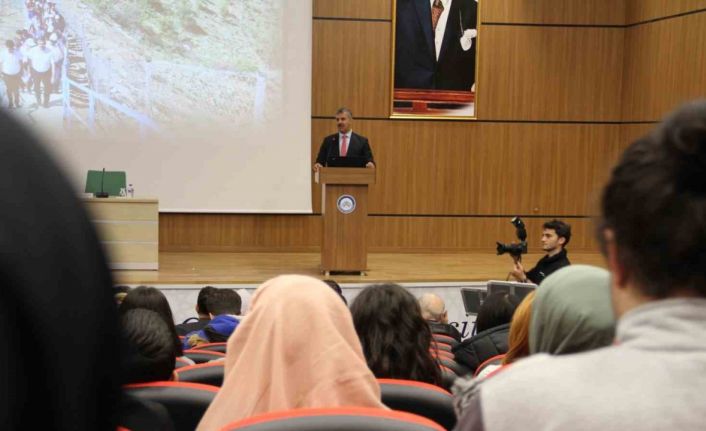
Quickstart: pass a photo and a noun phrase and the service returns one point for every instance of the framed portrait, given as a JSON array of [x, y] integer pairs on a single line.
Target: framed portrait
[[434, 54]]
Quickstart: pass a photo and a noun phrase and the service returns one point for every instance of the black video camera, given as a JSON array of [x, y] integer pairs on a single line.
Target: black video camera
[[516, 250]]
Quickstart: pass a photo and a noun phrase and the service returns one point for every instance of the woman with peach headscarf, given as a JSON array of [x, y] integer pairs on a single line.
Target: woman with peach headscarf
[[297, 348]]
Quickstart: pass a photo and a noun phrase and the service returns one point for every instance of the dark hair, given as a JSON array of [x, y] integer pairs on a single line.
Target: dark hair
[[497, 309], [336, 288], [223, 301], [151, 299], [10, 44], [562, 229], [344, 110], [655, 205], [201, 300], [395, 337], [151, 354]]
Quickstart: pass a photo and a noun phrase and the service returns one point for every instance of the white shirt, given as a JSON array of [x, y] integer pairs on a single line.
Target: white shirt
[[11, 62], [441, 25], [41, 59], [348, 141]]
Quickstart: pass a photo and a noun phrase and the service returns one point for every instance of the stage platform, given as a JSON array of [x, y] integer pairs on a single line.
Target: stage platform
[[254, 268]]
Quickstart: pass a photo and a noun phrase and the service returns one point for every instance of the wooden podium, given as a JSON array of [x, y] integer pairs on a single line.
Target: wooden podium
[[344, 204]]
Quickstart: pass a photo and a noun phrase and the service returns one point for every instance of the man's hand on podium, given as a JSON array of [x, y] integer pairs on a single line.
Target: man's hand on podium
[[316, 167], [370, 165]]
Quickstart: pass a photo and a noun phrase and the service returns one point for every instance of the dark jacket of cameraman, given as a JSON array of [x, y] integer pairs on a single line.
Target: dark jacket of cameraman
[[547, 265]]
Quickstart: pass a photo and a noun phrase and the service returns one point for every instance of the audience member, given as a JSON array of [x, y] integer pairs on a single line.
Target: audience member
[[434, 312], [151, 354], [395, 337], [492, 328], [296, 349], [224, 307], [201, 312], [151, 298], [653, 233], [336, 288], [572, 312], [518, 341], [58, 320]]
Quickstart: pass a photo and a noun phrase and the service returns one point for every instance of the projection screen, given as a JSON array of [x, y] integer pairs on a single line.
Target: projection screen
[[206, 104]]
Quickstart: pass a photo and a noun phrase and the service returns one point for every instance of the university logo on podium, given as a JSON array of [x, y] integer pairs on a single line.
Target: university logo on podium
[[346, 204]]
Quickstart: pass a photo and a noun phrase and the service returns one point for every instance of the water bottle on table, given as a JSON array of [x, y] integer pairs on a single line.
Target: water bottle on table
[[131, 190]]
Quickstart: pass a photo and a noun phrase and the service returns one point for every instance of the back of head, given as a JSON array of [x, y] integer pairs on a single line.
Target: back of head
[[151, 352], [57, 315], [201, 303], [299, 334], [572, 312], [223, 301], [150, 298], [518, 340], [655, 206], [497, 309], [395, 337], [432, 307]]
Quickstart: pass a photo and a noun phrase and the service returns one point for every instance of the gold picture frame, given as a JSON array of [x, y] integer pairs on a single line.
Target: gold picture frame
[[434, 77]]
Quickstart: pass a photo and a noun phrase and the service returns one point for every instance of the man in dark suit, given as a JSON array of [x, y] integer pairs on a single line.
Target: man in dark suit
[[434, 44], [345, 143]]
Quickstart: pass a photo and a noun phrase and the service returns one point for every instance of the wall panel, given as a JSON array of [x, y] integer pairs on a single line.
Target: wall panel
[[550, 73], [643, 10], [665, 65], [351, 67], [439, 168], [592, 12], [228, 232], [358, 9]]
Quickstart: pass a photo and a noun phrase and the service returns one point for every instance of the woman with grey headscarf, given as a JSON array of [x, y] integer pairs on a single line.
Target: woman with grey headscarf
[[571, 313]]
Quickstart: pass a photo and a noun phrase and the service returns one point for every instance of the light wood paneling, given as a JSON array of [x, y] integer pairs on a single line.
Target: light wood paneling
[[665, 65], [254, 268], [550, 73], [351, 67], [597, 12], [630, 132], [365, 9], [643, 10], [462, 233], [426, 167], [228, 232], [239, 232]]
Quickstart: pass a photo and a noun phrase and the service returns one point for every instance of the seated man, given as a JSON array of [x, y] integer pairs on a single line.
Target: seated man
[[224, 308], [201, 311], [150, 347], [434, 312]]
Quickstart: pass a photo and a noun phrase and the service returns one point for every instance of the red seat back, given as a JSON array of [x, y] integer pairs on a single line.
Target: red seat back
[[419, 398], [210, 373], [339, 419], [201, 356]]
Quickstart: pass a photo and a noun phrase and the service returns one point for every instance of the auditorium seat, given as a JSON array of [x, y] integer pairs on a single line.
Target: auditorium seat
[[213, 347], [445, 339], [181, 362], [493, 361], [339, 419], [419, 398], [185, 402], [201, 356], [441, 346], [210, 373], [454, 366]]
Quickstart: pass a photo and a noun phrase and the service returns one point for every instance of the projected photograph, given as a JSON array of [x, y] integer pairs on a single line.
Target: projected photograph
[[151, 65], [434, 69]]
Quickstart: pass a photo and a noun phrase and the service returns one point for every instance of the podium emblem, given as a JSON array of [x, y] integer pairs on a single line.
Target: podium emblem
[[346, 204]]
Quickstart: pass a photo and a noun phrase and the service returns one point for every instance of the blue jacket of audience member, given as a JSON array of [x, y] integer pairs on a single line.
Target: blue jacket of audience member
[[218, 330]]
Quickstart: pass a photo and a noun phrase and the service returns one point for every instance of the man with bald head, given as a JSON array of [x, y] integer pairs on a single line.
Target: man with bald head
[[434, 312]]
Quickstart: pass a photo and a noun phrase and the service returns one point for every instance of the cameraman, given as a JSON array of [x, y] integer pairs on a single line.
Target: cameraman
[[555, 237]]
